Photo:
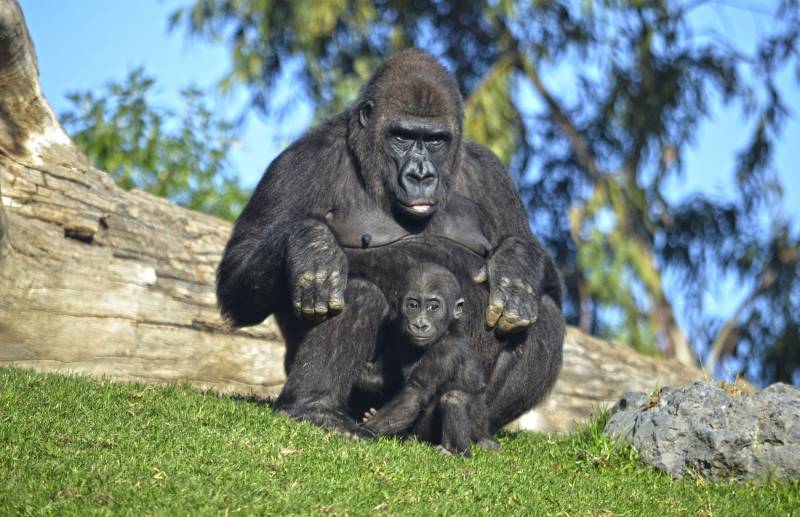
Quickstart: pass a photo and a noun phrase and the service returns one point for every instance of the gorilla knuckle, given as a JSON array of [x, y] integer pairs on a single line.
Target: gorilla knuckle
[[336, 304], [305, 280]]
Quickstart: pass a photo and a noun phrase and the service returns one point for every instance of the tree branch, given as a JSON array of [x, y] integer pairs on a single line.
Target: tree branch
[[577, 141]]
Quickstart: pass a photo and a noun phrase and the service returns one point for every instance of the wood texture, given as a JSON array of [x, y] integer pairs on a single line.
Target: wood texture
[[98, 281]]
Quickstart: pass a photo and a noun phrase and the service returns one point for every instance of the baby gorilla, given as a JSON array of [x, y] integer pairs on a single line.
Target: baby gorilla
[[429, 369]]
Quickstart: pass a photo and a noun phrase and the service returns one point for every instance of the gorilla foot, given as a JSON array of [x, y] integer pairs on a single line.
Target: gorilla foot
[[488, 444], [445, 451]]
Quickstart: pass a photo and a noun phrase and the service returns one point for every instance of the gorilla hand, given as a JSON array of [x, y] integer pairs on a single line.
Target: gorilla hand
[[317, 270], [513, 305]]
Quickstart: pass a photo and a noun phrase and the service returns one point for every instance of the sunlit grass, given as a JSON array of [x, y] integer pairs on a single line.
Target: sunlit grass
[[75, 446]]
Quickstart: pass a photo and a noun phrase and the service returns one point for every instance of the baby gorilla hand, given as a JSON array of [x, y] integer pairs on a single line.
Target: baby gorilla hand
[[317, 270], [512, 299]]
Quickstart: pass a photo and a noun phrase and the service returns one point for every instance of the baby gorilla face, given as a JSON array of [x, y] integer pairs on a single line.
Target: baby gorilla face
[[431, 303]]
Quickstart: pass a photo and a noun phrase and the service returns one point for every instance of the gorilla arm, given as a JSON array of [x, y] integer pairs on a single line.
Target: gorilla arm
[[435, 368], [281, 254], [519, 270]]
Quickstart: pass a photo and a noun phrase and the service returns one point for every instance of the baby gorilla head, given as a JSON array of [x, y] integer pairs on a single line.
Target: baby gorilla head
[[431, 304]]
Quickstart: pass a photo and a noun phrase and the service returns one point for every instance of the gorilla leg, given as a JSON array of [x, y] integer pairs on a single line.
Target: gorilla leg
[[525, 371], [324, 360], [456, 423], [478, 417]]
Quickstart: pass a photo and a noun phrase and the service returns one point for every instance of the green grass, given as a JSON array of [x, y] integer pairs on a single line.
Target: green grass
[[74, 446]]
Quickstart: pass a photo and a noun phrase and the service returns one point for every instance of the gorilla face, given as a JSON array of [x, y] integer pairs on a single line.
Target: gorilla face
[[419, 153], [431, 304], [405, 132]]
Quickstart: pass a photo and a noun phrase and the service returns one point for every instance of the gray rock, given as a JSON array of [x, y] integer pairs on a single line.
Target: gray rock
[[702, 428]]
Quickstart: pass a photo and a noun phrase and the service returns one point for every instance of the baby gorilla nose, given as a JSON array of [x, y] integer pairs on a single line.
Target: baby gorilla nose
[[419, 327]]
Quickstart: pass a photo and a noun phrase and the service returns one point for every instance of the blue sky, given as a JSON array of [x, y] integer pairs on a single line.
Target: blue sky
[[81, 44]]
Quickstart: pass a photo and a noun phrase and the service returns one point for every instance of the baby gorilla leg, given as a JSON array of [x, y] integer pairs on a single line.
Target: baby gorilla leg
[[456, 423]]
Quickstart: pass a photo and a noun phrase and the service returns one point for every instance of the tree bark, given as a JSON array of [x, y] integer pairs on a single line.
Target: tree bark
[[98, 281]]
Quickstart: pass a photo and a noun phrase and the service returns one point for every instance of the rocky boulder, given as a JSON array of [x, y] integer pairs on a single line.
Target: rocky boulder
[[718, 433]]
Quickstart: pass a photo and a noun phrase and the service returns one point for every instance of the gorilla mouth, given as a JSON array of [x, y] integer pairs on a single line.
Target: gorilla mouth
[[418, 339], [420, 209]]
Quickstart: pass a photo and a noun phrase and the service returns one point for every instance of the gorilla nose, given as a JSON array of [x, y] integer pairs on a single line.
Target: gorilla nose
[[420, 174], [420, 326]]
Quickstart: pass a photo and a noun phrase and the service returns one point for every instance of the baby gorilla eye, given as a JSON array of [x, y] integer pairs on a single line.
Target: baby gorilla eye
[[433, 306], [412, 305]]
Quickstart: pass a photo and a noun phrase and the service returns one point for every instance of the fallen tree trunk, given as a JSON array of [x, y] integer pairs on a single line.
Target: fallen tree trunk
[[98, 281]]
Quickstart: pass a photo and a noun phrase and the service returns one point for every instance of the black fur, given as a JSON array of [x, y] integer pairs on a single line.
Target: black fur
[[395, 159], [427, 368]]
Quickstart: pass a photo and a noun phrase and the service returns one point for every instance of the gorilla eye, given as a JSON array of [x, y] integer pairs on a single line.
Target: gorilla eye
[[434, 143], [433, 306], [412, 305], [401, 140]]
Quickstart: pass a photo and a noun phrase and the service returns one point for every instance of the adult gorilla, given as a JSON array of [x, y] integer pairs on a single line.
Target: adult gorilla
[[369, 193]]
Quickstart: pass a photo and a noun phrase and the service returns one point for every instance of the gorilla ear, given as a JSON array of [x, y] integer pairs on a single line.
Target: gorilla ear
[[364, 112], [458, 310]]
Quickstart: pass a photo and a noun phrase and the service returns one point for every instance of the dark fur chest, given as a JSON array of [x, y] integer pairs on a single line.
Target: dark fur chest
[[380, 249], [366, 229]]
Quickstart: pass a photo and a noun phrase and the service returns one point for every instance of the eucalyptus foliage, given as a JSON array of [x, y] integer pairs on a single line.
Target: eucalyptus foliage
[[181, 156]]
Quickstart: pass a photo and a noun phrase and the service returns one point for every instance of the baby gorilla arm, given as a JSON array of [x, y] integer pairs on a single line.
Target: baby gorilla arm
[[434, 369]]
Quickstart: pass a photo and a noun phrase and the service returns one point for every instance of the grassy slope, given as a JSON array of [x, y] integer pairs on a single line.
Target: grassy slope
[[74, 446]]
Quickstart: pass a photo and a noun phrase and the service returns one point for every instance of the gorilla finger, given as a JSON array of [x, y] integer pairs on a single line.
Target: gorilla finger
[[320, 311], [309, 303], [308, 313], [525, 308], [481, 275], [494, 311], [320, 279], [297, 301], [336, 302], [336, 298], [297, 307], [305, 280], [335, 279], [512, 322]]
